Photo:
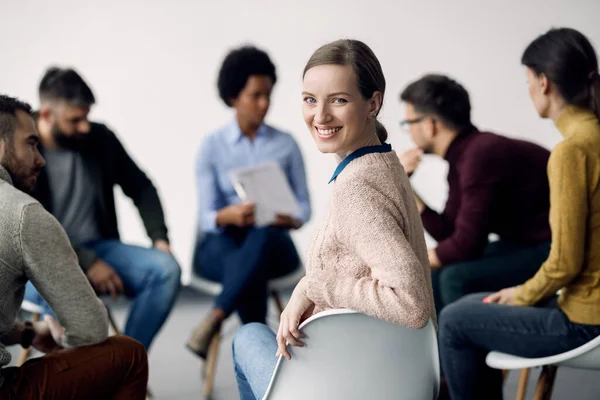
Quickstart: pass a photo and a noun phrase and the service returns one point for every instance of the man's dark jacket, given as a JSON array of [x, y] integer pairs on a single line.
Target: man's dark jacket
[[110, 165]]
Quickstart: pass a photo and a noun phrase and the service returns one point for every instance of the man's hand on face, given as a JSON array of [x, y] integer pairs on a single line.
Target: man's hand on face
[[410, 160]]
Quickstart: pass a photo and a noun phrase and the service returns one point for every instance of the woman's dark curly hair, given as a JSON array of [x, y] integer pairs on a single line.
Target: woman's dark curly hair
[[238, 66]]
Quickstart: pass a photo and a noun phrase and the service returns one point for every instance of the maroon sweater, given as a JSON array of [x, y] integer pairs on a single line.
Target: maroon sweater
[[496, 185]]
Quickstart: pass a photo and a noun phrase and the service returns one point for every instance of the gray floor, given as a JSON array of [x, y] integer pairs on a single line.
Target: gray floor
[[175, 373]]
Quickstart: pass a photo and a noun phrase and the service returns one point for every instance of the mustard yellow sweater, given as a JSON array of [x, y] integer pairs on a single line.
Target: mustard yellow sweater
[[574, 261]]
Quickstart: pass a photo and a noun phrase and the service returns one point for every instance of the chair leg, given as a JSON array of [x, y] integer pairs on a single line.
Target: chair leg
[[211, 365], [112, 322], [522, 388], [278, 302], [25, 353], [504, 375], [545, 383]]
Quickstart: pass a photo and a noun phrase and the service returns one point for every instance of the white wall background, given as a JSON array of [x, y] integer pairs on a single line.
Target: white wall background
[[153, 65]]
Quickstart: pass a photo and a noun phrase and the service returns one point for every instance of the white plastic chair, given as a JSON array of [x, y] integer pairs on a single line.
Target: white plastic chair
[[583, 357], [212, 288], [354, 356]]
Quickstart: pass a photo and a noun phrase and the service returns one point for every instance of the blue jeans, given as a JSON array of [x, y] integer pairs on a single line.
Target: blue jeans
[[254, 348], [243, 260], [469, 329], [150, 277]]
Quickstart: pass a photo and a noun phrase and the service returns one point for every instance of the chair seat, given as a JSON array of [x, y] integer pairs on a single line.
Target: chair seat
[[586, 356], [205, 286], [287, 281], [213, 288], [31, 307]]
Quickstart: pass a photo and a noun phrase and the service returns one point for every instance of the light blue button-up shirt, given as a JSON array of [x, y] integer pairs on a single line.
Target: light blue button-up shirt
[[228, 149]]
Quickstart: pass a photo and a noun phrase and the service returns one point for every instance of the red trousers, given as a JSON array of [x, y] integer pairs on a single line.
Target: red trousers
[[115, 369]]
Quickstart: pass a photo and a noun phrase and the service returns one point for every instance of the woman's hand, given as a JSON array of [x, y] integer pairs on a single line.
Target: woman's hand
[[297, 310], [505, 296]]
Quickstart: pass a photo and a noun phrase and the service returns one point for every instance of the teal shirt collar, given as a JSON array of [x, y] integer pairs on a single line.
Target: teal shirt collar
[[384, 148]]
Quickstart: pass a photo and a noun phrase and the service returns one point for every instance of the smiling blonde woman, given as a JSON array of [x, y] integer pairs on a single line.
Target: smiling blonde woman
[[369, 253]]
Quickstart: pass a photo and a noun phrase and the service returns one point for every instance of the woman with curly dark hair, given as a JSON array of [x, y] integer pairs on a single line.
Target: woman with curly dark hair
[[230, 249]]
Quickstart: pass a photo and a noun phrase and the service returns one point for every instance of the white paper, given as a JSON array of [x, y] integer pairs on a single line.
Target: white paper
[[267, 186]]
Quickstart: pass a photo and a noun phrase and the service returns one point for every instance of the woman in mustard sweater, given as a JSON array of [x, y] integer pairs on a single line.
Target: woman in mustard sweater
[[530, 320]]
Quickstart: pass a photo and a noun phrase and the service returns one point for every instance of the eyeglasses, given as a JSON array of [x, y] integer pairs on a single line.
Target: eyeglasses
[[405, 125]]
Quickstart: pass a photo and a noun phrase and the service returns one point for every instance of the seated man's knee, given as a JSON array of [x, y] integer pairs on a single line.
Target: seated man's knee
[[126, 344], [435, 280], [129, 351], [452, 284], [449, 274], [169, 269]]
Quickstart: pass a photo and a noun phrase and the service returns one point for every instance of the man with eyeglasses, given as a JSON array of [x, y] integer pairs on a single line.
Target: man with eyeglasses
[[496, 185]]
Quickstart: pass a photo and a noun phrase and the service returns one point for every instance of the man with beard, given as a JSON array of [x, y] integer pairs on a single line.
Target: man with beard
[[496, 185], [85, 160], [34, 247]]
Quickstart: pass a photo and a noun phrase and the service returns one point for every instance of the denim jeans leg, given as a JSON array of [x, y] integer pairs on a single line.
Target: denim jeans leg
[[151, 277], [254, 348], [503, 265], [243, 260], [32, 295], [469, 329]]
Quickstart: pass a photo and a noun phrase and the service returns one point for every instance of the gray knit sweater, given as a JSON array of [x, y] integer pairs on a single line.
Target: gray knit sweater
[[33, 246]]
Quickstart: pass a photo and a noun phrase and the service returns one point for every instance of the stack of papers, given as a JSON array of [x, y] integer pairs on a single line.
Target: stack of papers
[[268, 188]]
